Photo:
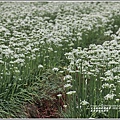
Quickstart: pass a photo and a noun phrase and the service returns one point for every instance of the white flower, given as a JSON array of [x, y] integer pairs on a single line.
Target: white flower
[[108, 73], [117, 100], [59, 95], [61, 71], [17, 71], [84, 102], [107, 33], [113, 63], [67, 77], [109, 96], [106, 85], [64, 106], [68, 81], [40, 66], [112, 86], [2, 29], [55, 69], [50, 49], [72, 71], [71, 92], [67, 85], [78, 106], [19, 60], [1, 61]]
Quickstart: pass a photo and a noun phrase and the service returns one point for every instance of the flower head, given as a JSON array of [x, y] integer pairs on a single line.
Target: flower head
[[40, 66], [71, 92], [84, 102], [55, 69], [59, 95]]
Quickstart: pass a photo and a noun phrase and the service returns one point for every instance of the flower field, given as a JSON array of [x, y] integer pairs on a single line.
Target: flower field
[[60, 59]]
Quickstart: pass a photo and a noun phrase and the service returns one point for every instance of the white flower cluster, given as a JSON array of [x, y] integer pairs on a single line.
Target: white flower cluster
[[25, 26], [71, 92], [30, 32], [84, 102], [55, 69], [109, 96], [98, 63]]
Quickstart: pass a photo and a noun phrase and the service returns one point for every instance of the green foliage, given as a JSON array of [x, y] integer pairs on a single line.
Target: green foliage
[[34, 38]]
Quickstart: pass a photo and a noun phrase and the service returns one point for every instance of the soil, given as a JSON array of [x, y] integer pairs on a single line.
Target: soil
[[45, 108]]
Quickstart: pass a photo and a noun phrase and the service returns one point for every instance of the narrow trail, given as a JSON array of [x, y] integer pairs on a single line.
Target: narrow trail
[[45, 108]]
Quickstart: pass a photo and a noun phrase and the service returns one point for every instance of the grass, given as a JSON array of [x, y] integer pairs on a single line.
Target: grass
[[46, 46]]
